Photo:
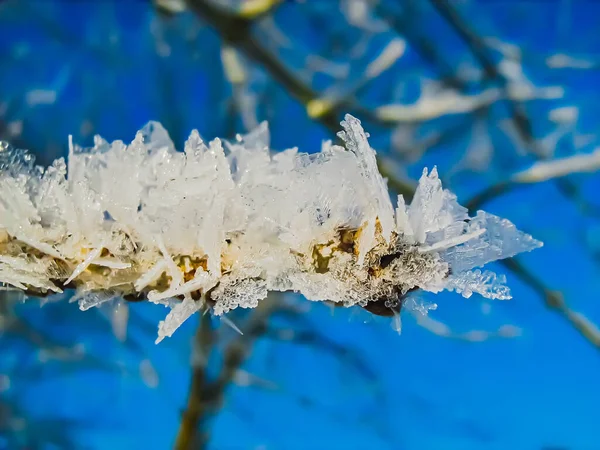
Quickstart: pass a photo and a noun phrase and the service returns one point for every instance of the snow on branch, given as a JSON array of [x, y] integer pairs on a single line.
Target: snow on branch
[[560, 167], [221, 224]]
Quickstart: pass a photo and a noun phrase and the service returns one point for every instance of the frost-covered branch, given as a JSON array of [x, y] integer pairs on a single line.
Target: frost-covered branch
[[219, 226], [174, 272]]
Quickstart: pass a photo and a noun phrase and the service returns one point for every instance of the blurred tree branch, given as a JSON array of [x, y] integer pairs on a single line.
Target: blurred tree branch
[[519, 116], [479, 50], [187, 436], [206, 395]]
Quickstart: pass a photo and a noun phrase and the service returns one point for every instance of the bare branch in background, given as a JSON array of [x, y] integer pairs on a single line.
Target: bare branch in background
[[206, 395], [513, 91], [559, 167], [477, 46], [555, 301]]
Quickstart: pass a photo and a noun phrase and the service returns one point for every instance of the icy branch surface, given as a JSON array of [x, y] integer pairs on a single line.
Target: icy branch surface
[[222, 223]]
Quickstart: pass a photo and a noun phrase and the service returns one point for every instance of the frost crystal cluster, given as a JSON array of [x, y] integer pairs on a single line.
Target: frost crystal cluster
[[221, 224]]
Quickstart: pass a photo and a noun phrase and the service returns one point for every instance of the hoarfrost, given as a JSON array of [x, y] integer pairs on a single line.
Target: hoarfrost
[[179, 314], [222, 223], [87, 300], [487, 284]]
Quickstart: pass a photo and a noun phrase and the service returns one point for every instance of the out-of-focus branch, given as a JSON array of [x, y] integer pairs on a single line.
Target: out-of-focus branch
[[538, 173], [474, 336], [305, 334], [205, 396], [404, 25], [243, 102], [560, 167], [440, 104], [252, 9], [236, 31], [490, 193], [187, 436], [555, 301], [519, 117], [479, 50], [478, 47]]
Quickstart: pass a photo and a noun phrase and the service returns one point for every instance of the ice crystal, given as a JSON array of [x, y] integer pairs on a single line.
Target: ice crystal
[[222, 223]]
